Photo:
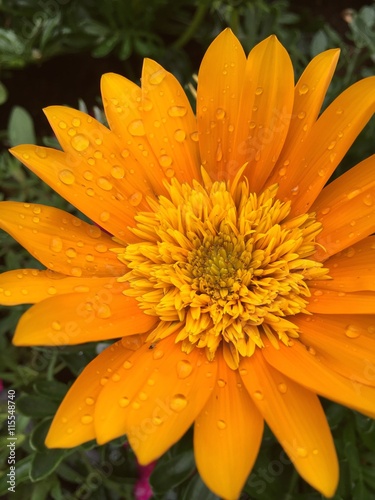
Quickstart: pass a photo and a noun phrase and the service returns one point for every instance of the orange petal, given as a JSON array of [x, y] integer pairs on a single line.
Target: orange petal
[[346, 208], [220, 82], [296, 417], [154, 398], [122, 101], [170, 123], [333, 302], [227, 435], [74, 421], [29, 286], [329, 140], [352, 270], [304, 367], [266, 106], [309, 94], [75, 318], [59, 240], [346, 344]]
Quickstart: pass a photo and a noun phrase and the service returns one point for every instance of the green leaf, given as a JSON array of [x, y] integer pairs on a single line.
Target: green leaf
[[20, 127], [171, 471], [38, 435], [319, 43], [44, 463], [35, 406], [197, 490], [3, 93], [51, 389]]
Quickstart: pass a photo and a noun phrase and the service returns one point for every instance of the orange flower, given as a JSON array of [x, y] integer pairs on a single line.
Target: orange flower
[[240, 285]]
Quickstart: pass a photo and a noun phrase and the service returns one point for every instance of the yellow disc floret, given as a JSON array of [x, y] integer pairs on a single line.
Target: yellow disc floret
[[221, 265]]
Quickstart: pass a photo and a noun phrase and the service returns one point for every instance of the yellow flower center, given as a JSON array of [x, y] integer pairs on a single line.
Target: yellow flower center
[[219, 265]]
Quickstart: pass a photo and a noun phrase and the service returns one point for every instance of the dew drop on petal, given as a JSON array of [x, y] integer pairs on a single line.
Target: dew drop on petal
[[137, 128], [62, 125], [87, 419], [104, 216], [221, 383], [157, 353], [136, 405], [135, 199], [104, 184], [76, 271], [56, 244], [301, 115], [302, 452], [258, 91], [117, 172], [127, 364], [88, 175], [303, 89], [123, 402], [103, 380], [178, 402], [368, 200], [116, 377], [101, 248], [352, 332], [194, 136], [220, 114], [258, 395], [79, 142], [177, 111], [90, 192], [71, 253], [179, 135], [76, 122], [184, 368], [52, 290], [157, 77], [67, 177], [89, 401], [165, 161], [282, 388], [221, 424], [104, 311]]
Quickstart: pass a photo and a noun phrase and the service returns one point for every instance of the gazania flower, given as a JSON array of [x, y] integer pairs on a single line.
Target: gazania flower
[[240, 286]]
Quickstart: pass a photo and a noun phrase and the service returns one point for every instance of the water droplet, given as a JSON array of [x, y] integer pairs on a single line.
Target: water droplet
[[76, 122], [184, 368], [104, 184], [143, 396], [169, 172], [221, 382], [79, 142], [325, 211], [331, 145], [56, 244], [352, 332], [258, 395], [127, 364], [194, 136], [282, 388], [136, 405], [311, 351], [123, 402], [116, 377], [219, 152], [137, 128], [135, 199], [230, 128], [90, 192], [76, 271], [67, 177], [179, 135], [104, 311], [101, 248], [368, 200], [302, 452], [87, 419], [282, 171], [88, 175], [90, 401], [252, 125], [165, 161], [177, 111], [258, 91], [303, 89], [220, 114], [157, 77], [294, 190], [221, 424], [41, 152], [56, 325], [321, 172], [301, 115], [62, 125], [156, 420], [51, 290], [178, 402], [157, 353], [71, 253], [104, 216], [339, 111], [353, 194], [103, 380], [117, 172]]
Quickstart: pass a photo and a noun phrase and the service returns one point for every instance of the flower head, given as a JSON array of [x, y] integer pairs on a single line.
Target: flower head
[[240, 286]]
